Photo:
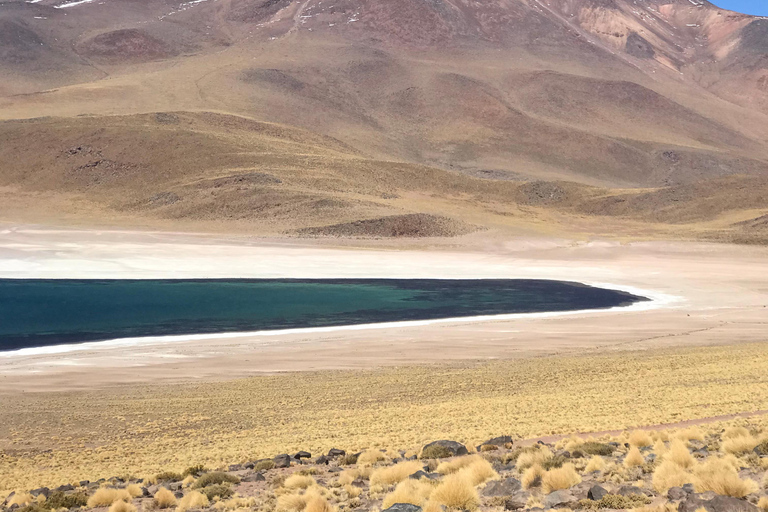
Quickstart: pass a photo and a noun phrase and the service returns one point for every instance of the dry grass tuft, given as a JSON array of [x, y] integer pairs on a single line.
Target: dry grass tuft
[[596, 463], [533, 456], [192, 500], [532, 476], [347, 476], [634, 458], [738, 445], [21, 499], [679, 454], [415, 492], [479, 472], [122, 506], [456, 491], [164, 498], [763, 504], [135, 490], [640, 439], [732, 432], [298, 481], [720, 476], [105, 497], [690, 434], [318, 504], [394, 474], [370, 457], [457, 464], [188, 481], [668, 474], [563, 477]]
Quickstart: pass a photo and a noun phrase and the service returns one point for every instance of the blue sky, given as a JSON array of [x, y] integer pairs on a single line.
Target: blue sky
[[757, 7]]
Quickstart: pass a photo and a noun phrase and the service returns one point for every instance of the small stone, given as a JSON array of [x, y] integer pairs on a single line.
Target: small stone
[[65, 488], [631, 490], [235, 467], [403, 507], [517, 501], [506, 487], [253, 477], [282, 461], [454, 447], [676, 493], [302, 455], [322, 460], [716, 504], [689, 488], [423, 474], [42, 490], [335, 452], [558, 499]]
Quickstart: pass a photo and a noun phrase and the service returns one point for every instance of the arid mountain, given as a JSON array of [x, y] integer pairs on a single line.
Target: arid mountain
[[659, 107]]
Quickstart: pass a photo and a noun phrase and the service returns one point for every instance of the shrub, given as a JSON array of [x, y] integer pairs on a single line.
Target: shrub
[[555, 462], [168, 476], [164, 498], [480, 471], [456, 491], [690, 434], [370, 457], [615, 501], [58, 499], [235, 503], [762, 447], [532, 476], [720, 476], [596, 463], [122, 506], [347, 476], [595, 448], [135, 490], [640, 438], [220, 490], [394, 474], [435, 452], [318, 504], [634, 458], [488, 448], [559, 478], [216, 477], [297, 502], [188, 480], [352, 491], [415, 492], [732, 432], [763, 503], [192, 500], [264, 465], [196, 470], [21, 499], [105, 497], [296, 481], [349, 459], [432, 506]]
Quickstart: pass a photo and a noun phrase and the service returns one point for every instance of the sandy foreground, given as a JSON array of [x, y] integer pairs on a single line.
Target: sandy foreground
[[703, 294]]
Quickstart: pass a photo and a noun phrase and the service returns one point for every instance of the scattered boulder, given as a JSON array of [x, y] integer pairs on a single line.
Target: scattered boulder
[[302, 455], [506, 487], [65, 488], [676, 493], [335, 452], [631, 490], [253, 477], [689, 488], [322, 460], [403, 507], [236, 467], [443, 448], [282, 461], [496, 441], [517, 501], [558, 499], [42, 490], [596, 492], [423, 474], [716, 504]]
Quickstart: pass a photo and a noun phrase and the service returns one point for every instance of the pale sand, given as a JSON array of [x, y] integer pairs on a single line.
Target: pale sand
[[705, 294]]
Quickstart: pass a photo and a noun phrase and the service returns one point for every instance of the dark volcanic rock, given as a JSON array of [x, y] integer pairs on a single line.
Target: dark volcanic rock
[[302, 455], [454, 447], [558, 499], [716, 504], [423, 474], [506, 487], [596, 492], [282, 461], [403, 507], [496, 441], [255, 477], [676, 493], [517, 501], [335, 452]]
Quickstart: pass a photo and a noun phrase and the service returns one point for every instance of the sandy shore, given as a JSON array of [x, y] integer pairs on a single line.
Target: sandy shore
[[704, 294]]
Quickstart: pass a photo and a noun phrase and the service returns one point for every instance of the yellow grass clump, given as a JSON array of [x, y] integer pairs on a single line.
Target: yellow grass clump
[[432, 506], [21, 499], [732, 432], [596, 463], [135, 490], [236, 503], [318, 504], [634, 458], [352, 491], [456, 491], [763, 504], [640, 439], [122, 506], [532, 476], [679, 454], [720, 476], [479, 472], [298, 502], [394, 474], [668, 474], [188, 481], [192, 500], [370, 457], [415, 492], [690, 434], [105, 497], [738, 445], [532, 457], [164, 498], [347, 476], [297, 481], [563, 477], [453, 466], [659, 448]]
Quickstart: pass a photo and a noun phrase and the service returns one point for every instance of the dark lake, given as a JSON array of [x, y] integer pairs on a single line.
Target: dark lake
[[41, 312]]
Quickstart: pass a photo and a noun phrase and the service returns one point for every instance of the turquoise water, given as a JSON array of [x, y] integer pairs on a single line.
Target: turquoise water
[[40, 312]]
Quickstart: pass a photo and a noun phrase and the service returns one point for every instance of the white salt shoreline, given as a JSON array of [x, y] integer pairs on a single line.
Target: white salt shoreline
[[656, 300]]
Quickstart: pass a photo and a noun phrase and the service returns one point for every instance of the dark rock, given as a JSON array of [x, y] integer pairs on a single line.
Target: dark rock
[[178, 495], [282, 461], [235, 467], [701, 453], [716, 504], [145, 492], [83, 483], [403, 507], [496, 441], [337, 469], [249, 465], [42, 490], [596, 492], [558, 499], [13, 508], [689, 488], [335, 452], [423, 474], [302, 455], [65, 488], [506, 487], [676, 493], [454, 447], [175, 486], [322, 460], [253, 477], [517, 501], [8, 498]]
